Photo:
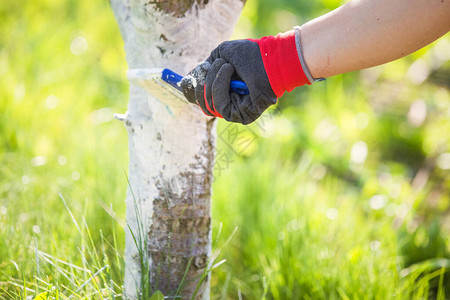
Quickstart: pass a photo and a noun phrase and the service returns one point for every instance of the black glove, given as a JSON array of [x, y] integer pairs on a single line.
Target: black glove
[[269, 66], [208, 84]]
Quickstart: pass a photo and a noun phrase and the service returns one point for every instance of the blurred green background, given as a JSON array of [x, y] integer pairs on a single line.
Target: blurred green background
[[341, 191]]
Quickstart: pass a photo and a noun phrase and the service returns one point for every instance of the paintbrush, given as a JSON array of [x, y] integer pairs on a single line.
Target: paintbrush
[[164, 85]]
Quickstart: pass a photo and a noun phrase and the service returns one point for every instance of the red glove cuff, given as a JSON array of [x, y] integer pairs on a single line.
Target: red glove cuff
[[281, 61]]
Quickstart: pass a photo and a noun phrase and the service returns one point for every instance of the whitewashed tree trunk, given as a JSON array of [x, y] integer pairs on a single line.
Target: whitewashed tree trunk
[[171, 148]]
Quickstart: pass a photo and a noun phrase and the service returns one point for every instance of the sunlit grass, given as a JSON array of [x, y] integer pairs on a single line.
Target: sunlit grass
[[46, 276]]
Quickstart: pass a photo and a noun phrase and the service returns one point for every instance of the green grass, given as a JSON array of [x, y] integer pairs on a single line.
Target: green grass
[[312, 222]]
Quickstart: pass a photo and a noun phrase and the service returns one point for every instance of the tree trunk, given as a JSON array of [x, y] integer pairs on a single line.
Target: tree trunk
[[171, 148]]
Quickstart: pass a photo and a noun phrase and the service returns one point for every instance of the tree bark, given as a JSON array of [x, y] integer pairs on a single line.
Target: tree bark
[[171, 148]]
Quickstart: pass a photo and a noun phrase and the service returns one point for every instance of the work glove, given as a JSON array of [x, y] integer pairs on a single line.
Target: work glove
[[269, 66]]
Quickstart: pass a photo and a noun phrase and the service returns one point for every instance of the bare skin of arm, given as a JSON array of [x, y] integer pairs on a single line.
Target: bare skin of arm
[[366, 33]]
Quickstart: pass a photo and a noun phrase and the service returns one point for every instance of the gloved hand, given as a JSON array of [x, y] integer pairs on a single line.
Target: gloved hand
[[269, 66]]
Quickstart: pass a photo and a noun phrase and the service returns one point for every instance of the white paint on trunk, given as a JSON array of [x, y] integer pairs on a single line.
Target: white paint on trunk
[[171, 146], [151, 81]]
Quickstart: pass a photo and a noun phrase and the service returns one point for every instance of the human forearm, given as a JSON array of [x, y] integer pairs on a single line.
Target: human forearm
[[366, 33]]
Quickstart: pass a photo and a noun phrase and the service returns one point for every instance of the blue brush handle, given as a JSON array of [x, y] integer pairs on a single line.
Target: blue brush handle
[[173, 79], [239, 87]]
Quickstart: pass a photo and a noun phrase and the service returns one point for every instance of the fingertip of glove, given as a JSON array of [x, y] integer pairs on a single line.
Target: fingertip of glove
[[227, 70]]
